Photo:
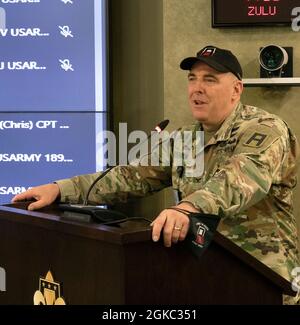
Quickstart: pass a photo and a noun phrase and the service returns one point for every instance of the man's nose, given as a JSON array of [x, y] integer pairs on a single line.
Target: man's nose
[[198, 85]]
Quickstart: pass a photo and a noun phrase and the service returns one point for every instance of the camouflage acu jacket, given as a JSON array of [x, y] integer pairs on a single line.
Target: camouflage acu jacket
[[249, 174]]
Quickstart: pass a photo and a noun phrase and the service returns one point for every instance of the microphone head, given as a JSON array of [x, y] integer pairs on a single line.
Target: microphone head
[[161, 126]]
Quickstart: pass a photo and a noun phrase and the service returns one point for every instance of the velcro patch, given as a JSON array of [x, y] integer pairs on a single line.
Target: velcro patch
[[256, 140]]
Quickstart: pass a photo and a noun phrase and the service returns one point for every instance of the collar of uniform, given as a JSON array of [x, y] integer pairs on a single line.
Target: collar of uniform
[[224, 131]]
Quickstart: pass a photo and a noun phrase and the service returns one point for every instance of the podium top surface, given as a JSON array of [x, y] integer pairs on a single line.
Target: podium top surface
[[52, 218], [128, 232]]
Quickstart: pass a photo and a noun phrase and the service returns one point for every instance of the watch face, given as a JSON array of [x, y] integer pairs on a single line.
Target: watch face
[[253, 12]]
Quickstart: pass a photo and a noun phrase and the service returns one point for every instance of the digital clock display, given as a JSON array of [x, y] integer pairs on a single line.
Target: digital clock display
[[252, 12]]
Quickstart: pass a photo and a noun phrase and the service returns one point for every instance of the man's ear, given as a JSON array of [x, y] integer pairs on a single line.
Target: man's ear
[[237, 89]]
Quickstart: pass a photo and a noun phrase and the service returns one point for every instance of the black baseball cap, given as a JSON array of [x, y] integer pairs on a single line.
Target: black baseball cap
[[220, 59]]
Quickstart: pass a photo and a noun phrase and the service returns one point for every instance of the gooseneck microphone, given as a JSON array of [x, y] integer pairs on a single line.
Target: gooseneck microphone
[[85, 212], [159, 128], [85, 202]]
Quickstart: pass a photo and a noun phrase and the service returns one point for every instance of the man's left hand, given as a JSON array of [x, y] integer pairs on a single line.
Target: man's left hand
[[173, 224]]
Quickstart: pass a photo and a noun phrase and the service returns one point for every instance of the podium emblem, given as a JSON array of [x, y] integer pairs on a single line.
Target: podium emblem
[[49, 292]]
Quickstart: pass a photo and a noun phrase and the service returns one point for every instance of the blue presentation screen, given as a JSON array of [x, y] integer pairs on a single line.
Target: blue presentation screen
[[53, 91]]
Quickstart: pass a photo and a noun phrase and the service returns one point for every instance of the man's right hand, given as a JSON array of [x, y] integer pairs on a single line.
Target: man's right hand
[[44, 195]]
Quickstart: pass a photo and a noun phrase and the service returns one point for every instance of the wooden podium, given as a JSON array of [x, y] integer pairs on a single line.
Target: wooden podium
[[98, 264]]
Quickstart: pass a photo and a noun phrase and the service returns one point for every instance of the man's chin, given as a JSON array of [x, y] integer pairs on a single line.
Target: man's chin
[[200, 117]]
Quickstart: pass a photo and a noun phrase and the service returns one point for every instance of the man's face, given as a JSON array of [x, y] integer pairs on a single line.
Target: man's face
[[212, 94]]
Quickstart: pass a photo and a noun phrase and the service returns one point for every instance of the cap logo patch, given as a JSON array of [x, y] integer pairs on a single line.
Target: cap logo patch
[[208, 51]]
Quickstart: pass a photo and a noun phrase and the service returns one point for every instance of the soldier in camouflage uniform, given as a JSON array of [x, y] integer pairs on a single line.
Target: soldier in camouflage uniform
[[250, 159]]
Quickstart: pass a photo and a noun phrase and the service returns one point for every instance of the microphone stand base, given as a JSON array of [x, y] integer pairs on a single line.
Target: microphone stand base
[[89, 213]]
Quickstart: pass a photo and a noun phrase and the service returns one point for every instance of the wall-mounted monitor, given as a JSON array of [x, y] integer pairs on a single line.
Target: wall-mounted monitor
[[53, 91]]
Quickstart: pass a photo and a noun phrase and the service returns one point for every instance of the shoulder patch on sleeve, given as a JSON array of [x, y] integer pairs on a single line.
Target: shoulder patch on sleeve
[[257, 139]]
